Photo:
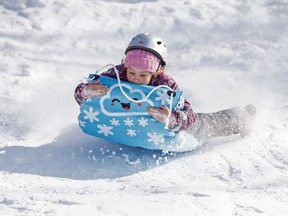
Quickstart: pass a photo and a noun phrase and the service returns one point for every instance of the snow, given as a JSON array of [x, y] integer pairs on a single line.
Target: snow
[[222, 54]]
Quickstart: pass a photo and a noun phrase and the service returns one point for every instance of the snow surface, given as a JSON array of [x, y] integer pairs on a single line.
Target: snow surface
[[222, 53]]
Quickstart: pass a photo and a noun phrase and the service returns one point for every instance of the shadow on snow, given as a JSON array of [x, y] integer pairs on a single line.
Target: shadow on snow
[[75, 155]]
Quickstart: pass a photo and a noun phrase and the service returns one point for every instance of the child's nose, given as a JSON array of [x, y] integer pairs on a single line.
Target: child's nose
[[136, 80]]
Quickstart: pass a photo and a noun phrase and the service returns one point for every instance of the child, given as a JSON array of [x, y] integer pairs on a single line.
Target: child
[[144, 64]]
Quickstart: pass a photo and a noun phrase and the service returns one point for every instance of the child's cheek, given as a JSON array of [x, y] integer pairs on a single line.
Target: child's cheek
[[129, 79]]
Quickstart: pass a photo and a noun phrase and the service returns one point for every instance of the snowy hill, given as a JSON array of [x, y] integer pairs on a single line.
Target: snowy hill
[[222, 54]]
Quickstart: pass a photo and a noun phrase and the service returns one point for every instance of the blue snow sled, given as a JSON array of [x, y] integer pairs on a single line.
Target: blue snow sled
[[120, 116]]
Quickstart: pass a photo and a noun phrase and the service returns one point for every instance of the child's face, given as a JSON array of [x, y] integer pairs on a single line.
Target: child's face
[[137, 76]]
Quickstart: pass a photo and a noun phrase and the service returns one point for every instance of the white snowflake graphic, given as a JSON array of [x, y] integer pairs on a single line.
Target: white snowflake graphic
[[115, 122], [106, 130], [156, 138], [163, 97], [131, 132], [82, 123], [143, 122], [91, 115], [129, 122]]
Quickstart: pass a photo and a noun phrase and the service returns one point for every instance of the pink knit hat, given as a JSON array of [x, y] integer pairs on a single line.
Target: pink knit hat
[[142, 59]]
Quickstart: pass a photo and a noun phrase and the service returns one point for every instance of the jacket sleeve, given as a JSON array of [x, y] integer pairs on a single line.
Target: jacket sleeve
[[180, 119], [79, 93], [112, 74]]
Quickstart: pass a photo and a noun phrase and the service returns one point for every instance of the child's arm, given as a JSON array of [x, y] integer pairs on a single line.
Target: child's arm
[[179, 119], [79, 93], [182, 119], [86, 91]]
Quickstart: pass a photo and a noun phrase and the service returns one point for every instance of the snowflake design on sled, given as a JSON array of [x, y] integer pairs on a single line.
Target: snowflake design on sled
[[106, 130], [163, 97], [143, 122], [91, 115], [114, 122], [82, 123], [156, 138], [131, 132], [129, 122]]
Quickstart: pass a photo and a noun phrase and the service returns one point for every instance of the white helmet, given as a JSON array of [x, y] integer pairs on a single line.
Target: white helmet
[[150, 43]]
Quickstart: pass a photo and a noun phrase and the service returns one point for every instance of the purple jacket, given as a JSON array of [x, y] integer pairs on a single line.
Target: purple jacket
[[179, 119]]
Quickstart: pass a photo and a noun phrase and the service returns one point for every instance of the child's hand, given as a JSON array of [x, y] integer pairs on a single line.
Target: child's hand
[[95, 90], [160, 114]]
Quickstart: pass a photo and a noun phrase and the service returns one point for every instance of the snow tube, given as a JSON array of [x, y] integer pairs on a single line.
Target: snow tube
[[116, 118]]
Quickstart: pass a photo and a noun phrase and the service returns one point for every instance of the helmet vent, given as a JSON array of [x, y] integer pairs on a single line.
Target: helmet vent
[[159, 42]]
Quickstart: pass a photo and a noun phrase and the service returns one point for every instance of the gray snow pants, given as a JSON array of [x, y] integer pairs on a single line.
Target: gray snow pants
[[235, 120]]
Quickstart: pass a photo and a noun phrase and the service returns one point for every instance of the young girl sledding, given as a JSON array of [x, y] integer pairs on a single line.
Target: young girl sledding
[[144, 64]]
